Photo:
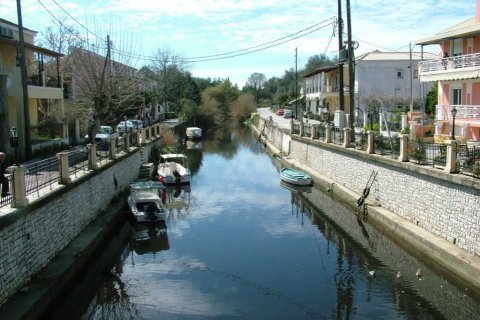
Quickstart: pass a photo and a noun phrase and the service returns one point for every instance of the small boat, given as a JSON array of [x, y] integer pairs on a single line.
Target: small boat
[[173, 169], [145, 201], [194, 133], [295, 176]]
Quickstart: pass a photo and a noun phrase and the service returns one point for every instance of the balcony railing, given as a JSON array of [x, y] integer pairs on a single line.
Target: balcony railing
[[450, 63], [444, 112]]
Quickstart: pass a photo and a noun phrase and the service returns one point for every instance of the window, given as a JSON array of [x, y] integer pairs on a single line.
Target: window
[[415, 73], [399, 74]]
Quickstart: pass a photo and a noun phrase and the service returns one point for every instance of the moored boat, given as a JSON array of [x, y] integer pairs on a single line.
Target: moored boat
[[145, 201], [173, 169], [193, 133], [295, 176]]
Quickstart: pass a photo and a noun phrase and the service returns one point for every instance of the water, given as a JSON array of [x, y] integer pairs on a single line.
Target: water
[[246, 247]]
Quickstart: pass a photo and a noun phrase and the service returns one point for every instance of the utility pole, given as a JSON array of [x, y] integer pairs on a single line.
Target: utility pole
[[340, 57], [351, 72], [296, 85], [23, 68]]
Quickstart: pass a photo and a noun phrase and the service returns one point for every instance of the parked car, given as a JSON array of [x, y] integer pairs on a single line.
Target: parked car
[[104, 134], [125, 126], [137, 124], [288, 114], [280, 112]]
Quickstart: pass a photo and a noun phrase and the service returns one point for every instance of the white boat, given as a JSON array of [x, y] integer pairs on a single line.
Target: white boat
[[295, 176], [145, 201], [173, 169], [194, 133]]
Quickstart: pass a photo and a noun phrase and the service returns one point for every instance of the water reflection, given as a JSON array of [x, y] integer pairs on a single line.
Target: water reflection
[[365, 258], [150, 237], [249, 247]]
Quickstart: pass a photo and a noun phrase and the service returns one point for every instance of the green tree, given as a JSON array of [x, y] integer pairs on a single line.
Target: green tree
[[432, 99], [257, 82]]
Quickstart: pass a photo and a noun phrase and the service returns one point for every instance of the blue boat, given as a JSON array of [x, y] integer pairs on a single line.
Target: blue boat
[[295, 176]]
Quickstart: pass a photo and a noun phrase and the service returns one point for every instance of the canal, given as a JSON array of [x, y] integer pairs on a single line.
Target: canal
[[240, 245]]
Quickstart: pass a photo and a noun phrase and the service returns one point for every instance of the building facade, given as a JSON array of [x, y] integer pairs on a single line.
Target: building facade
[[457, 70], [45, 113]]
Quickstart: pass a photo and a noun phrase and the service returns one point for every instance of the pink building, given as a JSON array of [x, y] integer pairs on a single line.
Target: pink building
[[457, 70]]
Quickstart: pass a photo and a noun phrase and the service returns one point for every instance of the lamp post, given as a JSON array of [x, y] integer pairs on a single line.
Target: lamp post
[[14, 142], [125, 121], [454, 114]]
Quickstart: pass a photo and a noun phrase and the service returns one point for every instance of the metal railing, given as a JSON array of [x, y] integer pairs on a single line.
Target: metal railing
[[307, 130], [444, 112], [7, 198], [78, 161], [456, 62], [321, 132], [468, 158], [337, 135], [41, 174]]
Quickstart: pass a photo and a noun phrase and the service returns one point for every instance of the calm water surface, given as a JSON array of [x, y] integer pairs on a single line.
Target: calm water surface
[[248, 248]]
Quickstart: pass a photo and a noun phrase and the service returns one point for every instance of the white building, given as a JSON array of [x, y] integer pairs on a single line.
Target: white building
[[389, 75]]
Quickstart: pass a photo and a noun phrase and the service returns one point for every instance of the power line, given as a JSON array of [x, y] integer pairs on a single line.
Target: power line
[[220, 56], [232, 54]]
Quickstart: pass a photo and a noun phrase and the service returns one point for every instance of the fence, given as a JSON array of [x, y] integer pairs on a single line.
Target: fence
[[47, 172], [468, 157]]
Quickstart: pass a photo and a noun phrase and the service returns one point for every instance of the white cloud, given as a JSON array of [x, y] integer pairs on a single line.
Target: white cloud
[[195, 28]]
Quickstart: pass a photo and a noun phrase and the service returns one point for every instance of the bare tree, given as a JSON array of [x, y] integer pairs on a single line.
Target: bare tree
[[171, 75], [97, 72]]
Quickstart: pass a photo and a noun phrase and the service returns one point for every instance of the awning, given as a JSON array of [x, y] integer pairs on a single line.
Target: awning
[[450, 76]]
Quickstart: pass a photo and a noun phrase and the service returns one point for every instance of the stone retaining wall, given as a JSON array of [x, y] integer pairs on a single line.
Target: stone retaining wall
[[446, 205], [33, 235]]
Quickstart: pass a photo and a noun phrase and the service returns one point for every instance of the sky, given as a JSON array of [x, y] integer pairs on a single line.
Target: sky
[[234, 39]]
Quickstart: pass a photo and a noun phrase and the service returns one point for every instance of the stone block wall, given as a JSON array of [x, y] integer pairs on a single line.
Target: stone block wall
[[446, 205], [31, 236]]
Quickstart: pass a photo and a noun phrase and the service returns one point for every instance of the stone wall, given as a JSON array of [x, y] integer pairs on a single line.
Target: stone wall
[[32, 236], [446, 205]]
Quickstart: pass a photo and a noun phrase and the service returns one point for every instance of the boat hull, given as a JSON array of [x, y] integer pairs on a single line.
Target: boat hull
[[295, 177]]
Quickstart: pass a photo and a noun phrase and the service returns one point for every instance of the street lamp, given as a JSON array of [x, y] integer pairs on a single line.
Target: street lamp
[[454, 114], [14, 142], [125, 121]]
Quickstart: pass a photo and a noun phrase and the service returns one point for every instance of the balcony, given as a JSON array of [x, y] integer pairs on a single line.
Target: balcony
[[444, 112], [451, 68]]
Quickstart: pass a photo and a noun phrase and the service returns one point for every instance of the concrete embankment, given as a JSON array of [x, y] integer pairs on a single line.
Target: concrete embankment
[[41, 292], [446, 257]]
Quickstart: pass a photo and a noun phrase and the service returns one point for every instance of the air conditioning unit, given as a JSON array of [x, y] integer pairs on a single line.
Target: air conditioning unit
[[6, 32]]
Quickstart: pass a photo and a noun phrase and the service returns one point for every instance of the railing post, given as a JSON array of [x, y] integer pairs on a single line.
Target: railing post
[[328, 133], [403, 148], [292, 126], [126, 142], [92, 155], [19, 187], [314, 129], [370, 149], [451, 165], [346, 137], [302, 129], [64, 174], [112, 148], [140, 137]]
